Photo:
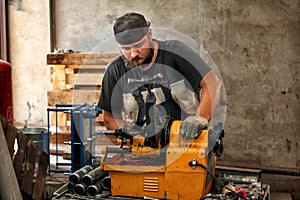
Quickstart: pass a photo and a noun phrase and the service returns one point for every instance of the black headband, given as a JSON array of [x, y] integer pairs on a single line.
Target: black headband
[[131, 36], [130, 28]]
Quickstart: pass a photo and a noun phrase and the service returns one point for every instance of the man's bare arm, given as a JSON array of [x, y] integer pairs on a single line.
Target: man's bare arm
[[210, 95]]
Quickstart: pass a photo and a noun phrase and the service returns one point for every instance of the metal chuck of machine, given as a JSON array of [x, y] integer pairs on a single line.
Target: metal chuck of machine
[[157, 163]]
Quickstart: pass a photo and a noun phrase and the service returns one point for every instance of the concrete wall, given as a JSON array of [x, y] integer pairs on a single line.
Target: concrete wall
[[29, 43], [255, 45]]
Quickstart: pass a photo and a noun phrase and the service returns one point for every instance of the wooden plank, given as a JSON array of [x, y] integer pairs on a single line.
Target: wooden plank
[[61, 138], [88, 96], [72, 96], [29, 168], [84, 78], [59, 97], [20, 156], [83, 67], [67, 155], [58, 77], [90, 79], [61, 148], [87, 87], [59, 120], [41, 177], [87, 58]]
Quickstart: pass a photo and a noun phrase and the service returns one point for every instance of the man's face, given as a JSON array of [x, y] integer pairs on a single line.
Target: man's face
[[138, 52]]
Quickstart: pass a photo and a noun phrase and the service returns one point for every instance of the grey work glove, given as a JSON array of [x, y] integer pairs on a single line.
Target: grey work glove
[[131, 108], [192, 127]]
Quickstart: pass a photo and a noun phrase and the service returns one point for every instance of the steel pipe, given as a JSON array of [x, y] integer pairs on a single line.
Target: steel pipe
[[94, 189], [92, 176], [79, 189], [77, 175], [106, 183]]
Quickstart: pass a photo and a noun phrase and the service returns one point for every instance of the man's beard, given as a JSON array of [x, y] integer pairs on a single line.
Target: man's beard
[[129, 64]]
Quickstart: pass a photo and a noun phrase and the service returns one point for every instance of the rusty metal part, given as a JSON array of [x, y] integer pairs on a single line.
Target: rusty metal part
[[38, 188], [20, 156], [263, 169], [29, 168], [9, 187]]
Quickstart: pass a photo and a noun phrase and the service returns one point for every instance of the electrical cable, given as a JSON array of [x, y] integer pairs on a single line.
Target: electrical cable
[[192, 163]]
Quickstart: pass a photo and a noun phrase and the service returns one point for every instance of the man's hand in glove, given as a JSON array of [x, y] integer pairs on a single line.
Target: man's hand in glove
[[192, 127]]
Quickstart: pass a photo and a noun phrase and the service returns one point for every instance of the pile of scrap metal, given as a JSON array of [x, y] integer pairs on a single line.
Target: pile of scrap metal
[[239, 188]]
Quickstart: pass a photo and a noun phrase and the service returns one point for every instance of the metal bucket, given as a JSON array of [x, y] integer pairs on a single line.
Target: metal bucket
[[39, 137]]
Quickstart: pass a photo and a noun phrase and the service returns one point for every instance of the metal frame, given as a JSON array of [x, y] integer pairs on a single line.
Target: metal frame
[[81, 112]]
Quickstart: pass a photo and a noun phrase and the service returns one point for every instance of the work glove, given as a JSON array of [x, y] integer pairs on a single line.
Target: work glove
[[131, 108], [192, 127]]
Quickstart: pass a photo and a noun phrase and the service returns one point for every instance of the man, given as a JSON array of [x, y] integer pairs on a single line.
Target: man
[[167, 73]]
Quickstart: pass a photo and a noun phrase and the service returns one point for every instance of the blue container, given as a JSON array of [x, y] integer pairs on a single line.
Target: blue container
[[38, 137]]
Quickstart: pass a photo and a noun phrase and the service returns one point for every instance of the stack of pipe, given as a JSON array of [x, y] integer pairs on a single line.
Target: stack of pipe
[[89, 181]]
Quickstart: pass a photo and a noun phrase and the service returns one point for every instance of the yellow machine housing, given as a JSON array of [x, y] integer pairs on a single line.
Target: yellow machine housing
[[162, 173]]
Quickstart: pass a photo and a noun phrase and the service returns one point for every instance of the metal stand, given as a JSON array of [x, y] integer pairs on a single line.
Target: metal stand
[[82, 130]]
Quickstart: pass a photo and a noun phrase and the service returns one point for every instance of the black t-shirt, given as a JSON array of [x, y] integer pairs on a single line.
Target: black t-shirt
[[175, 62]]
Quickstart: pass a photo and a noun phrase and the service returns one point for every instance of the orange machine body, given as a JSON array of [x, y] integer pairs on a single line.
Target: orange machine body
[[163, 173]]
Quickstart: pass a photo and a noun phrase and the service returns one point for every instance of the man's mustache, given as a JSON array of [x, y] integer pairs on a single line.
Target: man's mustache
[[135, 59]]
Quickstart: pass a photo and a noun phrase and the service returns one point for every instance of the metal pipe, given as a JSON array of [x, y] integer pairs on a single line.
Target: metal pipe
[[77, 175], [264, 169], [106, 183], [9, 187], [118, 150], [62, 190], [79, 189], [92, 176], [71, 186], [94, 189]]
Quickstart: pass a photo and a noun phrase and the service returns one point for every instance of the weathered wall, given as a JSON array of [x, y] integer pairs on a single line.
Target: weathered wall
[[29, 43], [86, 25], [255, 45]]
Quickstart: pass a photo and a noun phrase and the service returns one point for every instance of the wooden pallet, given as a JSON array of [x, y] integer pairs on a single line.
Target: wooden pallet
[[78, 70], [76, 78]]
